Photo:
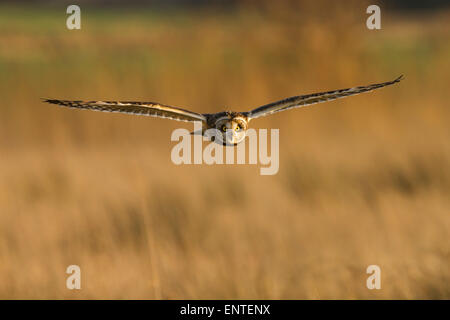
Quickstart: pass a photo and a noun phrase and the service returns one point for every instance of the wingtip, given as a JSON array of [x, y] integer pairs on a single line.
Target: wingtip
[[399, 78], [54, 101]]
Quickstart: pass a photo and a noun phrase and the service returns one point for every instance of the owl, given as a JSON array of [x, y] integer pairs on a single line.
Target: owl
[[230, 126]]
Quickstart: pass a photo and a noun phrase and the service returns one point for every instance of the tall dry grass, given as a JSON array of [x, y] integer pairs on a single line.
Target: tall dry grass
[[362, 181]]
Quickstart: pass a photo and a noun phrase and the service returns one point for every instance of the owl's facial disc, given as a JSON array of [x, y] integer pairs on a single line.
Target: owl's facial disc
[[232, 130]]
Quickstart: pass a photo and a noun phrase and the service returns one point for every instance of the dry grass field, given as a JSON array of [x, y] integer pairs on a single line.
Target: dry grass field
[[363, 180]]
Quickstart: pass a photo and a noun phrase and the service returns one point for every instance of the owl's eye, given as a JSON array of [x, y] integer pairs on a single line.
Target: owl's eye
[[238, 127], [224, 128]]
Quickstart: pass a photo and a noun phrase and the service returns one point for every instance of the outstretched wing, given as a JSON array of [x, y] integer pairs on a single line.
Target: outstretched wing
[[139, 108], [304, 100]]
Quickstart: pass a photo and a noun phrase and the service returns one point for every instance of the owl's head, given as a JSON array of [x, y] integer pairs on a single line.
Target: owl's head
[[232, 128]]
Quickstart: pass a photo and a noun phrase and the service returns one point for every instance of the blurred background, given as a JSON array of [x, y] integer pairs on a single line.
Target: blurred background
[[363, 180]]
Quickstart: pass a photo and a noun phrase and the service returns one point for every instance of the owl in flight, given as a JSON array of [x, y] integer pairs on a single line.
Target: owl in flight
[[231, 126]]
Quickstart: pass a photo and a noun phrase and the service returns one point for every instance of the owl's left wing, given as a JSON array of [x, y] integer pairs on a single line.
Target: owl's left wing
[[304, 100], [152, 109]]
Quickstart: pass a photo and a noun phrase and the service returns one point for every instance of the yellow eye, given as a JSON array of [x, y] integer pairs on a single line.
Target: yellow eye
[[224, 128], [238, 128]]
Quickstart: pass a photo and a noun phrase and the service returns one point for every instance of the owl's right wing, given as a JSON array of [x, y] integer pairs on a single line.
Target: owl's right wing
[[308, 99], [152, 109]]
